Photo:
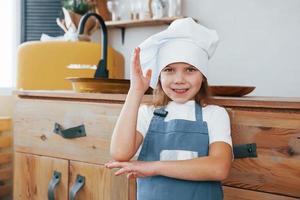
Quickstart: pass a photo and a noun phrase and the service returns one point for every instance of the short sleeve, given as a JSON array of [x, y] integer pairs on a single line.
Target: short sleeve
[[219, 126], [144, 119], [145, 114]]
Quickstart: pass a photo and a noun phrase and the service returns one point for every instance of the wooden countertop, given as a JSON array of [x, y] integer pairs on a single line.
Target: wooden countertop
[[246, 101]]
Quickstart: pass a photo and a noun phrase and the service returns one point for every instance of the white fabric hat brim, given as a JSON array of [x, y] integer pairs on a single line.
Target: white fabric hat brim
[[181, 51]]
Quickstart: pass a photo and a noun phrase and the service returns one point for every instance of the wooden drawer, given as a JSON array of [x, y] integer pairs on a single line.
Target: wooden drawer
[[241, 194], [277, 135], [34, 128]]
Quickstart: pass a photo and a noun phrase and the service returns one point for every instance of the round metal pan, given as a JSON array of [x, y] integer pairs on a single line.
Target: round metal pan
[[101, 85]]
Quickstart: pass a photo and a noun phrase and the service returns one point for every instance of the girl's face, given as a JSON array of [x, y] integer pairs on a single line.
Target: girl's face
[[181, 81]]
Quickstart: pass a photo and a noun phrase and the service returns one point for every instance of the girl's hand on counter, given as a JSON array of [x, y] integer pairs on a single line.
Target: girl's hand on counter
[[138, 82], [133, 169]]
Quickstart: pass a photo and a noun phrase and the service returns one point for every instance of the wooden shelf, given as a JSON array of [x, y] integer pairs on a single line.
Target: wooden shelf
[[123, 24], [138, 23]]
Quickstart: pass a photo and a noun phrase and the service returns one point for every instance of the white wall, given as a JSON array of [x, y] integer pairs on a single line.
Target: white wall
[[7, 103], [7, 100], [259, 43]]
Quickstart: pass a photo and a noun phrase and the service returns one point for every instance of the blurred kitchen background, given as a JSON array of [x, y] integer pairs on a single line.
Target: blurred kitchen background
[[259, 39]]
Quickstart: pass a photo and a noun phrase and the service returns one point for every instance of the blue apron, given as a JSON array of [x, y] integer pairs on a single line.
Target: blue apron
[[177, 134]]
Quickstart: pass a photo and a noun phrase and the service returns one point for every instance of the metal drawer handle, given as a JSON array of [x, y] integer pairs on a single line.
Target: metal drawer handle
[[79, 183], [74, 132], [52, 184], [244, 151]]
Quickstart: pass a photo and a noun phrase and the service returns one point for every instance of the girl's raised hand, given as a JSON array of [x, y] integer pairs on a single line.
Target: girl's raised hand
[[138, 82]]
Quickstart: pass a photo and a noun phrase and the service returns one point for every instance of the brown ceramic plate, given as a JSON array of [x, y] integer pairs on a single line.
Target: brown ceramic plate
[[228, 90], [101, 85]]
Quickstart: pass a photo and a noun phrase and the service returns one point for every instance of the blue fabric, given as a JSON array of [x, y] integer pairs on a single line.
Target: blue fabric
[[177, 134]]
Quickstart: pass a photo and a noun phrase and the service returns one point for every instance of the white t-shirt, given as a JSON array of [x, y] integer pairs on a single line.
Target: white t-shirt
[[217, 119]]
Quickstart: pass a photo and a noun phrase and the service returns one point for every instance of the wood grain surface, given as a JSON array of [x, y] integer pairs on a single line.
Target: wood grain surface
[[277, 167], [32, 175], [272, 123], [100, 182], [39, 137], [231, 193]]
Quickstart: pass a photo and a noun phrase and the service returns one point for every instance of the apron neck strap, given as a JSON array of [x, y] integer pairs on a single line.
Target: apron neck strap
[[161, 112], [198, 112]]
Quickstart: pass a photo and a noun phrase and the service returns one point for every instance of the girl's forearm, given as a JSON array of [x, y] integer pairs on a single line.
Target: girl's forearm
[[124, 134], [203, 168]]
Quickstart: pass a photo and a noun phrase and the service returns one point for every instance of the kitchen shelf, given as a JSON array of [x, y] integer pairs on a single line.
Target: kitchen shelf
[[139, 23]]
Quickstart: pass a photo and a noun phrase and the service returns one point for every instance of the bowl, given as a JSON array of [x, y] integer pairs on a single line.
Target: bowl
[[101, 85], [230, 90]]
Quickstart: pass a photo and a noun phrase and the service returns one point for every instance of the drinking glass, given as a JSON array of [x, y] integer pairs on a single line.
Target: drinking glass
[[113, 7]]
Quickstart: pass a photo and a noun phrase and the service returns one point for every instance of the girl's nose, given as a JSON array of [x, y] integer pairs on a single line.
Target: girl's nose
[[179, 78]]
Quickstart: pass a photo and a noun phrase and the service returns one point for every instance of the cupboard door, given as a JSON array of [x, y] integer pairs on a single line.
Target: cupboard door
[[276, 168], [101, 183], [32, 175]]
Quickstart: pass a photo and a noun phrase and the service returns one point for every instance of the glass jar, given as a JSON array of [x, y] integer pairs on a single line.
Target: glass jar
[[157, 9]]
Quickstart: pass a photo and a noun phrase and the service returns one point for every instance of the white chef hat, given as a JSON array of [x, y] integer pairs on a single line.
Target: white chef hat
[[183, 41]]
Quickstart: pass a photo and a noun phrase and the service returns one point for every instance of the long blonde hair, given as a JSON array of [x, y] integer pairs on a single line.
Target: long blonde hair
[[202, 97]]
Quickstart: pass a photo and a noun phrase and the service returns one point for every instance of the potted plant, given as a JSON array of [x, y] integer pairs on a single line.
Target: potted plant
[[83, 6], [78, 6]]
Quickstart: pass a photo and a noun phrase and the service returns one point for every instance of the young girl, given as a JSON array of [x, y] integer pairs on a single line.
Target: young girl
[[183, 145]]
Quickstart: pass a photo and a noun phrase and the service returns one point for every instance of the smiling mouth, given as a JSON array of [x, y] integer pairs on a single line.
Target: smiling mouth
[[180, 91]]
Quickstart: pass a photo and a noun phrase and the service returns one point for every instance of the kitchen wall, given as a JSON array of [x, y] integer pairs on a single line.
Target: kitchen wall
[[7, 103], [7, 100], [259, 43]]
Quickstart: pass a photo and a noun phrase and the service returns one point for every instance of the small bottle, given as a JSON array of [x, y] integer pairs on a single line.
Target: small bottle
[[178, 10], [125, 10], [143, 7], [174, 8], [157, 9]]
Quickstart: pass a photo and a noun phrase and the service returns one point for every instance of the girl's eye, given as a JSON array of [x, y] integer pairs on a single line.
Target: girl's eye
[[168, 69], [191, 69]]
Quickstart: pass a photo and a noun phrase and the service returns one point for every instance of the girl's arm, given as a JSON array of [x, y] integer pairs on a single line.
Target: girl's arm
[[215, 166], [125, 139]]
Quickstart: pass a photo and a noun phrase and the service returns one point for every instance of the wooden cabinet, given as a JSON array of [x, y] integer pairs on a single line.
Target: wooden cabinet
[[34, 173], [272, 123], [40, 150]]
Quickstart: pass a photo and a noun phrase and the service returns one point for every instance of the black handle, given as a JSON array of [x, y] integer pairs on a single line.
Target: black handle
[[244, 151], [74, 132], [52, 184], [79, 183]]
